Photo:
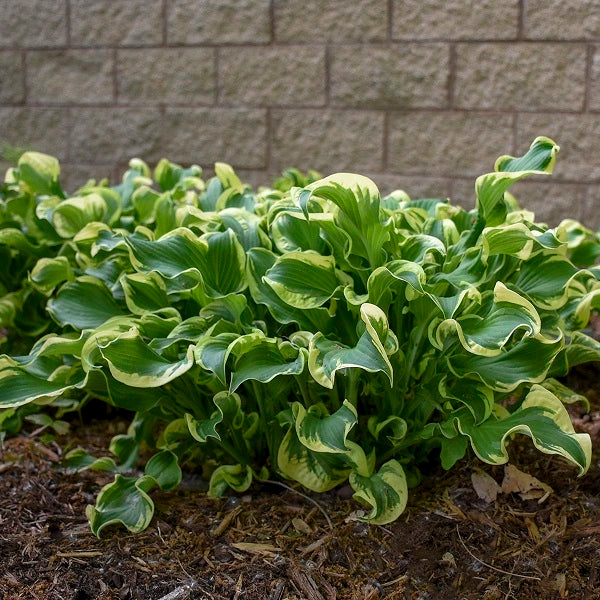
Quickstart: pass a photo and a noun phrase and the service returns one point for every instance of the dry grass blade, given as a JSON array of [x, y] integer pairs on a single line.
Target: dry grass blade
[[534, 577]]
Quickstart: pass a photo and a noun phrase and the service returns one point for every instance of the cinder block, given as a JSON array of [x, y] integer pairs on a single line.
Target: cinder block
[[183, 75], [207, 135], [520, 76], [218, 21], [411, 75], [33, 23], [275, 76], [438, 143], [330, 20], [104, 136], [327, 140], [110, 23], [455, 19], [70, 76]]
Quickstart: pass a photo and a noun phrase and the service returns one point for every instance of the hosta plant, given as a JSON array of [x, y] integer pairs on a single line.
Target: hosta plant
[[316, 332]]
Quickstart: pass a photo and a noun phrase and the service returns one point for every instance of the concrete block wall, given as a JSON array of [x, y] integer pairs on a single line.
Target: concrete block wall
[[418, 94]]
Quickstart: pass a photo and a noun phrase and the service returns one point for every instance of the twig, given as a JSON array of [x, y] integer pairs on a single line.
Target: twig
[[291, 489], [393, 581], [492, 566], [80, 554]]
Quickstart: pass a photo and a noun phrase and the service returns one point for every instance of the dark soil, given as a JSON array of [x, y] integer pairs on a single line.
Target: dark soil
[[274, 544]]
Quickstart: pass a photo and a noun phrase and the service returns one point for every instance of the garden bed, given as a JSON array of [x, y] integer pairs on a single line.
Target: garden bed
[[273, 543]]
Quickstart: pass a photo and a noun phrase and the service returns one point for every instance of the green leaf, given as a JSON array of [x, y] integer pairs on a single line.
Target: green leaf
[[490, 188], [125, 501], [84, 303], [527, 362], [326, 356], [385, 492], [303, 279], [39, 172], [73, 214], [135, 364], [542, 417], [164, 468], [144, 292], [51, 272], [236, 477]]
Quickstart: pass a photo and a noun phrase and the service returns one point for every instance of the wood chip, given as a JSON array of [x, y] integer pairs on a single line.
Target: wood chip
[[301, 526], [80, 554], [222, 527], [254, 548], [312, 547]]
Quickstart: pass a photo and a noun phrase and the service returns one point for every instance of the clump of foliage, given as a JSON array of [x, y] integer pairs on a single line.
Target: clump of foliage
[[316, 331]]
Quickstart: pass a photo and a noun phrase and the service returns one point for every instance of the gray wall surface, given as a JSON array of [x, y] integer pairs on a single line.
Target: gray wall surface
[[418, 94]]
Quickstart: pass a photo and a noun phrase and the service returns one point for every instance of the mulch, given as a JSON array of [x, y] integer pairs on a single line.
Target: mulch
[[272, 543]]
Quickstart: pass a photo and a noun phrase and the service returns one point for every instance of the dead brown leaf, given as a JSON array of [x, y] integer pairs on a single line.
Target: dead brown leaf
[[527, 486], [485, 486]]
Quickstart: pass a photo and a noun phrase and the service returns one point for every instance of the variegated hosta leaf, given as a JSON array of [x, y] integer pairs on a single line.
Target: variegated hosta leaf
[[144, 292], [385, 492], [51, 272], [264, 360], [246, 226], [125, 501], [316, 471], [15, 238], [72, 214], [546, 280], [134, 363], [580, 349], [326, 356], [229, 413], [18, 387], [260, 261], [476, 397], [324, 433], [542, 417], [84, 303], [236, 477], [490, 188], [291, 231], [517, 240], [385, 280], [396, 426], [487, 334], [357, 213], [526, 362], [124, 447], [303, 279], [216, 259], [212, 351], [39, 172], [577, 310]]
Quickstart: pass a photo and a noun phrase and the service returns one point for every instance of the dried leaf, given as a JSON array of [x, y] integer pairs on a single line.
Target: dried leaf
[[485, 486], [527, 486]]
